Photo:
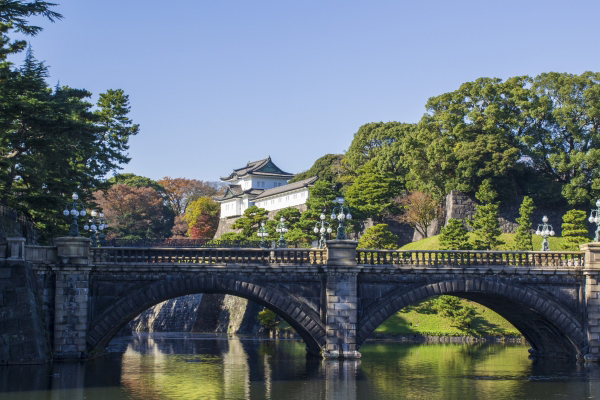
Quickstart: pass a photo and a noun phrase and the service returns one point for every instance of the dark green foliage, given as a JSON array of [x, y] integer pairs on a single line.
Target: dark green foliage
[[233, 236], [267, 318], [372, 193], [574, 229], [523, 234], [13, 17], [485, 221], [378, 237], [134, 181], [250, 221], [320, 199], [327, 168], [454, 236]]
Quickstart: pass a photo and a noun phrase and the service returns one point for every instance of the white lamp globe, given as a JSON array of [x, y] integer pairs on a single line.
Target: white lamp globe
[[94, 213], [101, 227], [591, 219], [322, 230], [328, 230], [322, 216], [316, 230], [332, 216], [74, 213], [66, 213], [93, 227], [545, 219], [349, 216], [101, 215], [341, 216], [282, 219], [82, 213], [552, 232], [75, 196], [538, 232], [598, 203], [86, 227]]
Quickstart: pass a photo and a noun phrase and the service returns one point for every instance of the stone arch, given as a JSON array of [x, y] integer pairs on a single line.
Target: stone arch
[[550, 328], [301, 317]]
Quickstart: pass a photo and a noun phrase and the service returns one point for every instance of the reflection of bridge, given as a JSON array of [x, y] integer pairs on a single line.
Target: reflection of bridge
[[333, 298]]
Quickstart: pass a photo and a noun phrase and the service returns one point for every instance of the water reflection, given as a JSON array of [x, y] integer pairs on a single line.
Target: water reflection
[[188, 366]]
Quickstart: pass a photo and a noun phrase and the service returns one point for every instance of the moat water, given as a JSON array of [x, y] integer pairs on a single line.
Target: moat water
[[193, 366]]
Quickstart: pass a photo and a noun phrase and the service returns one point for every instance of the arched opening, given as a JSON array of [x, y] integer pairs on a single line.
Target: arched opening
[[304, 320], [549, 328]]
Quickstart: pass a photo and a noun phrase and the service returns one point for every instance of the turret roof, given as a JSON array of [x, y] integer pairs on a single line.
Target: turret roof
[[264, 167]]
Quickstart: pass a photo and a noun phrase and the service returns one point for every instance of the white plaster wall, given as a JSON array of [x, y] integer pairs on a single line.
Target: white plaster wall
[[230, 208], [284, 200], [259, 183]]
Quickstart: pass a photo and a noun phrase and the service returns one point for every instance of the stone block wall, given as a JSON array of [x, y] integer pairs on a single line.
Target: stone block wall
[[23, 338]]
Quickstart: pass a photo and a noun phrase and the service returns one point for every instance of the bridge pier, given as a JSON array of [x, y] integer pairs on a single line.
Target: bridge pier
[[71, 298], [341, 299], [592, 298]]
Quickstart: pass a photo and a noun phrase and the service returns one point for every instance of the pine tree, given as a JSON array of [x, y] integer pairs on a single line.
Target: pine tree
[[454, 236], [523, 234], [378, 237], [485, 221], [574, 229]]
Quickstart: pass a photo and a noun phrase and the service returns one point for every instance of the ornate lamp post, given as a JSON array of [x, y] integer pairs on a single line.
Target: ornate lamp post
[[96, 224], [341, 234], [262, 234], [281, 229], [322, 230], [103, 225], [72, 208], [544, 230], [595, 218]]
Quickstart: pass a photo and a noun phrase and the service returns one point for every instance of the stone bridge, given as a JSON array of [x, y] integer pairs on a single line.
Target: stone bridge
[[68, 301]]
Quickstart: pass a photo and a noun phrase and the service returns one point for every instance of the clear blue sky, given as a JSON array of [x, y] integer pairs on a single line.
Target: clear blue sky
[[214, 84]]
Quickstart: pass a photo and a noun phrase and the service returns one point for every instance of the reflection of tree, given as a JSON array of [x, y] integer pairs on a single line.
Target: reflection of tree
[[456, 370]]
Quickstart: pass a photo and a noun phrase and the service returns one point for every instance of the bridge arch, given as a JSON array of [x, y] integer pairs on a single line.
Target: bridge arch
[[300, 316], [550, 328]]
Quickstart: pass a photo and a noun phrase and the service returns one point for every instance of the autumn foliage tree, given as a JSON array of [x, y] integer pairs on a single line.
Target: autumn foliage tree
[[420, 210], [202, 218], [133, 212], [179, 192]]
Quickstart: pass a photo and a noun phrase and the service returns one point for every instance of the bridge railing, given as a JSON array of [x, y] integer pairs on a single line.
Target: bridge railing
[[207, 256], [470, 258]]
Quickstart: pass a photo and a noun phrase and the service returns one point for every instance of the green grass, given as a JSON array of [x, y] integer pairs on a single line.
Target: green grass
[[432, 243], [419, 319]]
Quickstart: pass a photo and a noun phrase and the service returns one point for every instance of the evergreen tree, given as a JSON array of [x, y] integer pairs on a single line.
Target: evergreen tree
[[378, 237], [574, 229], [523, 234], [250, 221], [485, 221], [372, 193], [454, 236], [320, 199]]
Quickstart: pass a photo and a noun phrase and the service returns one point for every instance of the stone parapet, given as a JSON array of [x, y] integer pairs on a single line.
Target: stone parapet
[[73, 250], [341, 253]]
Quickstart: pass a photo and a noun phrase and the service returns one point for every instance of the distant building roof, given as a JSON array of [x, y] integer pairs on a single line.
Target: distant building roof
[[286, 188], [264, 167]]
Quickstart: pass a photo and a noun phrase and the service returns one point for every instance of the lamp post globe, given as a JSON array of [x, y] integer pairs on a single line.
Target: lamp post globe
[[595, 219], [75, 209], [544, 230], [341, 213], [322, 227]]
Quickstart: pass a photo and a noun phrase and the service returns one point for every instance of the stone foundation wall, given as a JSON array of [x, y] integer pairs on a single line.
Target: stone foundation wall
[[23, 338]]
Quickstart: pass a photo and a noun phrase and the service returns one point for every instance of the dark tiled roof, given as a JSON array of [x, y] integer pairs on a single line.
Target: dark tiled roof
[[254, 167], [286, 188], [237, 191]]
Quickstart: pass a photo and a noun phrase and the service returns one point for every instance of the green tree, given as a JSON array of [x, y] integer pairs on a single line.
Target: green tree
[[320, 199], [133, 180], [327, 168], [574, 229], [52, 144], [485, 221], [378, 237], [454, 236], [523, 233], [13, 17], [372, 193], [461, 315], [250, 221], [268, 319]]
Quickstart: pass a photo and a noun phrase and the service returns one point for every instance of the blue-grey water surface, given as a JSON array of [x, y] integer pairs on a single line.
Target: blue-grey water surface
[[193, 366]]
